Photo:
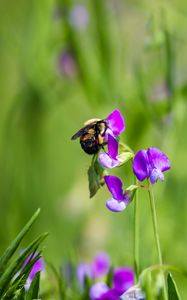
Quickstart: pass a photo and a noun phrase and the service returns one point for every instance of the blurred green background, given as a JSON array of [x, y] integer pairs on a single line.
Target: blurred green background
[[63, 62]]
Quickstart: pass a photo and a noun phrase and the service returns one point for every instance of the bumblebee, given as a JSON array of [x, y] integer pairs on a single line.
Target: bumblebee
[[92, 135]]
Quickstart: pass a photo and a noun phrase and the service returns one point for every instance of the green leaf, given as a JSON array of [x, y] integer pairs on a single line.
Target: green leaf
[[93, 181], [124, 157], [22, 294], [172, 289], [109, 278], [146, 284], [14, 245], [96, 174], [87, 285], [125, 148], [34, 288], [98, 168], [132, 188]]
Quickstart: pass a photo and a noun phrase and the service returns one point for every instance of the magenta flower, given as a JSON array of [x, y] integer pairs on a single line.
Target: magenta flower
[[110, 160], [115, 122], [123, 279], [98, 267], [120, 199], [150, 163], [111, 294]]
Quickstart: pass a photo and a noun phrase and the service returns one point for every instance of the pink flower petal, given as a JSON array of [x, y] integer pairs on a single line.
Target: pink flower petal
[[116, 122]]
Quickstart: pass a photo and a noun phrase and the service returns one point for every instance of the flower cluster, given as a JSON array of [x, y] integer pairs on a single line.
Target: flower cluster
[[147, 164], [122, 278]]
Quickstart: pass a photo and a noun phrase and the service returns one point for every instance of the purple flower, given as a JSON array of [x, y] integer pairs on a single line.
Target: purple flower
[[111, 294], [98, 267], [150, 163], [119, 200], [83, 271], [110, 160], [123, 279], [97, 290], [79, 17], [37, 267], [115, 122], [67, 65]]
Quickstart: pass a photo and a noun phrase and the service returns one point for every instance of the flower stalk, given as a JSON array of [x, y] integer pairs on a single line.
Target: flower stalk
[[156, 235], [136, 235]]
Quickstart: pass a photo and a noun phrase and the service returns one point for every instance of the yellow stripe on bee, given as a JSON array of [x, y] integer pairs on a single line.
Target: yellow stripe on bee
[[91, 131], [100, 139]]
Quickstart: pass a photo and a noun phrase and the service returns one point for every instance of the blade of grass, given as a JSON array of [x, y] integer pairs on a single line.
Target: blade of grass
[[14, 245]]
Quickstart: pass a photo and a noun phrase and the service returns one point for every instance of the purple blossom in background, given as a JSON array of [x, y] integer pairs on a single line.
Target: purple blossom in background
[[97, 290], [160, 91], [67, 271], [37, 267], [111, 294], [79, 17], [123, 279], [119, 200], [97, 268], [110, 159], [115, 122], [150, 163], [67, 65], [100, 265], [83, 271]]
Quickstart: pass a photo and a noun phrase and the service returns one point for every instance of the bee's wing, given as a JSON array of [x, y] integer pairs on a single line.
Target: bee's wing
[[78, 133], [83, 130]]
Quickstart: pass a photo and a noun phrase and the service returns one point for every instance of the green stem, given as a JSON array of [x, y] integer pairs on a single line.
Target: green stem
[[155, 229], [136, 235]]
